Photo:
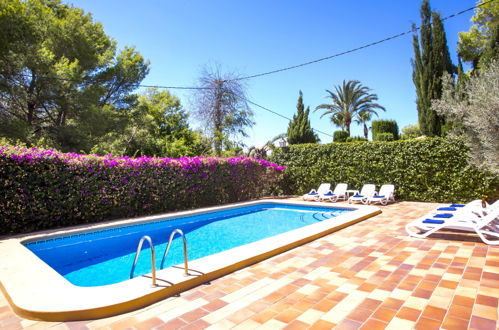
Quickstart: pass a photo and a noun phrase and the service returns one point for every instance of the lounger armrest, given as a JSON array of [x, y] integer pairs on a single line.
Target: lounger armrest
[[313, 191]]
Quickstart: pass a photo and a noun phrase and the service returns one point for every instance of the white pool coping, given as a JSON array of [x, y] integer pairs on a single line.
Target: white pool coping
[[37, 291]]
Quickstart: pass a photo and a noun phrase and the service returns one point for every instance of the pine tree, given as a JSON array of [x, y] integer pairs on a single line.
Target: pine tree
[[299, 129], [431, 60]]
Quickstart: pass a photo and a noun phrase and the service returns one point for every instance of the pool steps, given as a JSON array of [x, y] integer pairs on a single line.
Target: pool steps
[[153, 255], [153, 258], [186, 266]]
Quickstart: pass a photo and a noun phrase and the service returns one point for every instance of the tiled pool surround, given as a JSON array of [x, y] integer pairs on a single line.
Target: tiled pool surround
[[36, 291]]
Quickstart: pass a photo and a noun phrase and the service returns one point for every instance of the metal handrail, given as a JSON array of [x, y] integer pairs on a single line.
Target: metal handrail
[[153, 258], [186, 267]]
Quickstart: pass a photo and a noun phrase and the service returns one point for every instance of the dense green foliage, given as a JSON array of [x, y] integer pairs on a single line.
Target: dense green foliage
[[157, 126], [42, 189], [475, 106], [61, 79], [431, 61], [356, 139], [410, 132], [349, 101], [480, 44], [430, 170], [385, 137], [385, 126], [299, 129], [340, 136]]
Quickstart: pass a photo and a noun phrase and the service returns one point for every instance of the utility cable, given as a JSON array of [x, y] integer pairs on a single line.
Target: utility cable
[[278, 114], [414, 29], [31, 76]]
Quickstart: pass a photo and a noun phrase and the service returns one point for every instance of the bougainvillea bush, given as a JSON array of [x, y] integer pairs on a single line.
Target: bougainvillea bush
[[43, 189]]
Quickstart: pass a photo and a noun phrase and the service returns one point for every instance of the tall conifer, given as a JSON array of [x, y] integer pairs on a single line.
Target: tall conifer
[[299, 129], [431, 60]]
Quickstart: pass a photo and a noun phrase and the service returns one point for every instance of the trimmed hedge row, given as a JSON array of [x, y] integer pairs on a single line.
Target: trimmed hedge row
[[385, 126], [42, 189], [430, 170]]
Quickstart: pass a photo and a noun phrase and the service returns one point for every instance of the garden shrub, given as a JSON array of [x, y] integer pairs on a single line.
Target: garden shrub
[[42, 189], [340, 136], [430, 170], [355, 139], [384, 137], [384, 126]]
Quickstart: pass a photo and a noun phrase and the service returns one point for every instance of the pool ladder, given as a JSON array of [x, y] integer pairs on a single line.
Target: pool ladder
[[153, 254]]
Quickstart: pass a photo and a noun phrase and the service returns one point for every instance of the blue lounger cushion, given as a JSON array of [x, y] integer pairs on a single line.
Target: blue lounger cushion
[[446, 209], [379, 196], [357, 195], [443, 215], [437, 222], [313, 193], [457, 205], [329, 194]]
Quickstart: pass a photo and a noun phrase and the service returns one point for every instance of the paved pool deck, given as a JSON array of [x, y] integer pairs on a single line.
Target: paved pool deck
[[370, 275]]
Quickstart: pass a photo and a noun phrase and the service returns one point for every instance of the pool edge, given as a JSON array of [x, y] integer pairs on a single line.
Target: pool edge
[[166, 292]]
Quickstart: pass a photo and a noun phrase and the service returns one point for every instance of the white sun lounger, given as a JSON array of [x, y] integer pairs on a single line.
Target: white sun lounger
[[314, 194], [386, 194], [465, 220], [340, 192], [367, 191]]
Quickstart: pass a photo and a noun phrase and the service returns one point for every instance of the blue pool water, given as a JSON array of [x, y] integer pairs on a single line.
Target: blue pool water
[[106, 256]]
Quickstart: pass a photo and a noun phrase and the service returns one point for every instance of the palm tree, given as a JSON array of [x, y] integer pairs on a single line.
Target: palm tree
[[349, 99], [262, 152], [364, 116]]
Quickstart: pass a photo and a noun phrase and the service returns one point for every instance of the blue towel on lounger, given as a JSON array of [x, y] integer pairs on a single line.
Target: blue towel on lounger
[[357, 195], [443, 215], [446, 209], [438, 222], [329, 194], [312, 193], [379, 196], [457, 205]]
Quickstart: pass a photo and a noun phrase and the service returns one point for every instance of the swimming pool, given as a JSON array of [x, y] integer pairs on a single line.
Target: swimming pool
[[106, 256], [35, 290]]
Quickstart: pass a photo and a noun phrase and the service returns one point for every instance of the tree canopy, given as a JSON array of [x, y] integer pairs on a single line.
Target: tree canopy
[[481, 43], [157, 126], [60, 73]]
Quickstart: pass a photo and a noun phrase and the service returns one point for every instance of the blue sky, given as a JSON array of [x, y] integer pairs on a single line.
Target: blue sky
[[178, 37]]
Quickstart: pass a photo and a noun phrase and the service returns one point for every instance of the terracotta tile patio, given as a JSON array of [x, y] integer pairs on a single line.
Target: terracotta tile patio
[[369, 276]]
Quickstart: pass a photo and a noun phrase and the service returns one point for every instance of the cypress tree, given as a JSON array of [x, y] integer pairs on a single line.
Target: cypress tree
[[299, 129], [431, 60]]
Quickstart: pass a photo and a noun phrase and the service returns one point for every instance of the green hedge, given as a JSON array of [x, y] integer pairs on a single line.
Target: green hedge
[[355, 139], [340, 136], [384, 137], [384, 126], [42, 189], [431, 169]]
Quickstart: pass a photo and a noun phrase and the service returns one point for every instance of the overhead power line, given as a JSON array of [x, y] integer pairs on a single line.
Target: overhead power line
[[414, 29], [80, 81], [278, 114]]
